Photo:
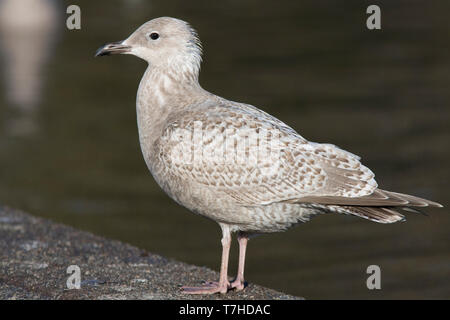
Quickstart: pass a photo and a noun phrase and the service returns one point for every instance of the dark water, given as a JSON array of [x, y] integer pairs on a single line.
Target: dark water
[[71, 153]]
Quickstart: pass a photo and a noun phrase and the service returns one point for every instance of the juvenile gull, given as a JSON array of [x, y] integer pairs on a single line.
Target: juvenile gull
[[234, 163]]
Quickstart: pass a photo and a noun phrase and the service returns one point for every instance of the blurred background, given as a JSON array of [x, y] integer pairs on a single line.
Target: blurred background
[[69, 148]]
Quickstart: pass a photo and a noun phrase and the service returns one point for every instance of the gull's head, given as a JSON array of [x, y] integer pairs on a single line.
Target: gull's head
[[165, 43]]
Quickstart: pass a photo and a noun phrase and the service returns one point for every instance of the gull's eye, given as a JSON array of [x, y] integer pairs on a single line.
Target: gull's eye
[[154, 35]]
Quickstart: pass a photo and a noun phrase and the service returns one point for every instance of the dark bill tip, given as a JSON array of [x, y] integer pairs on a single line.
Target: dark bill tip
[[112, 48]]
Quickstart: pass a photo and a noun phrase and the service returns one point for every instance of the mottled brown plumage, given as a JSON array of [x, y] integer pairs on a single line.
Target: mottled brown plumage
[[234, 163]]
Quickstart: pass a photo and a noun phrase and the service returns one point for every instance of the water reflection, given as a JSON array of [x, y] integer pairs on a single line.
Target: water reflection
[[28, 29]]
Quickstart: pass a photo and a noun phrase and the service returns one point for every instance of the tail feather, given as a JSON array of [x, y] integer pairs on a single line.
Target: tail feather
[[414, 210], [376, 214]]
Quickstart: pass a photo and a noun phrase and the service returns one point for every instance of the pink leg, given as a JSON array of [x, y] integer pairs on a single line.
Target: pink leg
[[238, 283], [223, 284]]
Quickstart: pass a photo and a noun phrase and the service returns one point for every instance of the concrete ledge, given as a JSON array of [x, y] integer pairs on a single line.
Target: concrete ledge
[[35, 254]]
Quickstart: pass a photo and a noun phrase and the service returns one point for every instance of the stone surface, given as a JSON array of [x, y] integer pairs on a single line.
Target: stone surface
[[35, 254]]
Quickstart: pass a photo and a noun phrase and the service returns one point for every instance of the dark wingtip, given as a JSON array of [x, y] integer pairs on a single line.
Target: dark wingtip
[[434, 204]]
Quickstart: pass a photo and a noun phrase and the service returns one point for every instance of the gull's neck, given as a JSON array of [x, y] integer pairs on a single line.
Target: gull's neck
[[163, 92], [161, 86]]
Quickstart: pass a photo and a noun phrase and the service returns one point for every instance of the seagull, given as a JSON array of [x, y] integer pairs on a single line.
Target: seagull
[[234, 163]]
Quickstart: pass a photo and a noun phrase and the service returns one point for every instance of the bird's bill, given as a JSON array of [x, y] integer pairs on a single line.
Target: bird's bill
[[113, 48]]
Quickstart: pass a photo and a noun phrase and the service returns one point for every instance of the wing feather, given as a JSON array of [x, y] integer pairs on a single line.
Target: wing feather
[[256, 159]]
